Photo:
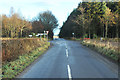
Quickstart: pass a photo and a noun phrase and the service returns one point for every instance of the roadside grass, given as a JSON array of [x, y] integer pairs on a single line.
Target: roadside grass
[[108, 52], [13, 68], [0, 73], [98, 39], [74, 39], [77, 39], [107, 49]]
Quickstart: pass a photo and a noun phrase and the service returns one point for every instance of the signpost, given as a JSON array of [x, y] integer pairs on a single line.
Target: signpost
[[44, 35], [73, 34], [30, 36], [41, 34], [37, 35], [47, 34]]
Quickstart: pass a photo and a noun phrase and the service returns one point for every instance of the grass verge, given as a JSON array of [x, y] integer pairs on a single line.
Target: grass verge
[[13, 68], [109, 53]]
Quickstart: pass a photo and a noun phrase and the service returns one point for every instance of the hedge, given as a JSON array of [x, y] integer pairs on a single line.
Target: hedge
[[12, 48], [13, 68], [106, 48]]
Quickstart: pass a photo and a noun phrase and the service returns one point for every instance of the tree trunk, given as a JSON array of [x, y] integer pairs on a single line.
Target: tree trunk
[[8, 33], [89, 31], [103, 32], [83, 30], [21, 32], [106, 30], [117, 30], [11, 34]]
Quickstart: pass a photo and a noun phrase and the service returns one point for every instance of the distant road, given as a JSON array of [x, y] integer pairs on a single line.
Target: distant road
[[69, 59]]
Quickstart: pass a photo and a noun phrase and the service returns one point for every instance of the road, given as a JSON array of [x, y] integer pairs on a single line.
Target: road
[[69, 59]]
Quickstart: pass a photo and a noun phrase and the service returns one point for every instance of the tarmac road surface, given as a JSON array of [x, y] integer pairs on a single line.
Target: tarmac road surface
[[69, 59]]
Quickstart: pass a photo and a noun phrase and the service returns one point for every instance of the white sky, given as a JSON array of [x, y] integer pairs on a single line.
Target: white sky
[[30, 8]]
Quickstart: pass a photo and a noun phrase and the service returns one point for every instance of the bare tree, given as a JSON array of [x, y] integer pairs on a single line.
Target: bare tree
[[48, 20]]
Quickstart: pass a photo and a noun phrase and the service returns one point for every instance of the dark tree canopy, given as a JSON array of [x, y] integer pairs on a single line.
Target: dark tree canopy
[[45, 21], [91, 19], [48, 20]]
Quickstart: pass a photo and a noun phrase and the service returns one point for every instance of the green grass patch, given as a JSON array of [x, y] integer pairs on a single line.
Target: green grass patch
[[13, 68], [78, 39]]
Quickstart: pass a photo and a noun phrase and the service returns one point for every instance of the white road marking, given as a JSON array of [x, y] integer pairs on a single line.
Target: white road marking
[[68, 67], [67, 53], [69, 72], [66, 45], [66, 50]]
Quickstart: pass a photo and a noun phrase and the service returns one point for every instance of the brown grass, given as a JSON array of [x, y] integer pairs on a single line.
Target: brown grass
[[109, 45]]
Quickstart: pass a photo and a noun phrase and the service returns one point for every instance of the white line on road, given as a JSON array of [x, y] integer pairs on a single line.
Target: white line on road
[[67, 53], [69, 72], [66, 45], [68, 67], [66, 50]]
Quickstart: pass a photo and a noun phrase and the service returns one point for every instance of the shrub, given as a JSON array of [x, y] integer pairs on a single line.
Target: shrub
[[13, 68], [94, 36], [85, 36], [106, 48], [12, 48]]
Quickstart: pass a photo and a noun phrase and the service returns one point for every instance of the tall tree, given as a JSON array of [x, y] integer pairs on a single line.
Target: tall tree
[[0, 26], [80, 19], [49, 21], [37, 26], [108, 18], [117, 18], [14, 25], [101, 20]]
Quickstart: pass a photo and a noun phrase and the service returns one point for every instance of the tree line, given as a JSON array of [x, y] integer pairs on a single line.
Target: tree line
[[92, 20], [16, 26]]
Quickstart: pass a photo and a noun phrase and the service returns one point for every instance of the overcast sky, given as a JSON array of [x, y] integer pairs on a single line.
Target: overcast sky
[[30, 8]]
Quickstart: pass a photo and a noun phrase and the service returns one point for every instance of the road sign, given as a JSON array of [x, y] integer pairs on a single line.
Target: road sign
[[47, 32], [41, 34], [37, 35], [30, 35]]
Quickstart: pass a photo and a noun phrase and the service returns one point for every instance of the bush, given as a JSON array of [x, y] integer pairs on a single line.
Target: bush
[[12, 48], [94, 36], [103, 48], [13, 68], [85, 36]]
